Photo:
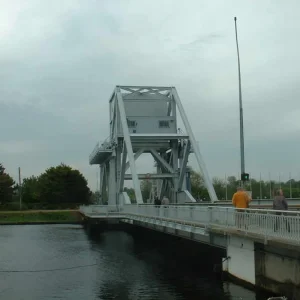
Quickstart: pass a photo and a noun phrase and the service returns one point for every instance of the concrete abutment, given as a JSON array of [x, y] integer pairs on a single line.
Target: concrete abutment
[[270, 267]]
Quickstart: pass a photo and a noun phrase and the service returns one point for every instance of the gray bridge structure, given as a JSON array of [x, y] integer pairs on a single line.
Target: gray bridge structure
[[145, 120], [262, 246]]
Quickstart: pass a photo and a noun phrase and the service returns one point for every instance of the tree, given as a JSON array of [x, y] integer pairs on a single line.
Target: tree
[[197, 186], [31, 190], [2, 169], [131, 194], [95, 197], [6, 186], [146, 186], [219, 186], [62, 184], [232, 184]]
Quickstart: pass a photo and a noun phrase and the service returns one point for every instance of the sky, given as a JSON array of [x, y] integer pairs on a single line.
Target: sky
[[61, 59]]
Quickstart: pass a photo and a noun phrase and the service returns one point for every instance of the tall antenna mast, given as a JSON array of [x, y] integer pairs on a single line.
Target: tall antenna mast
[[244, 176], [20, 187]]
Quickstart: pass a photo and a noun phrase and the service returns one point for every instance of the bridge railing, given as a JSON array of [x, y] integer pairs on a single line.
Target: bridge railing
[[184, 213], [269, 223], [101, 146], [99, 209]]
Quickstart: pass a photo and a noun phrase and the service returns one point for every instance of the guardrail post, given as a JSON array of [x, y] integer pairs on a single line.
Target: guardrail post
[[226, 219], [210, 214]]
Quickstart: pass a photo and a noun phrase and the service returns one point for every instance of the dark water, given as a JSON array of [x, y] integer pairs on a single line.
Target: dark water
[[125, 266]]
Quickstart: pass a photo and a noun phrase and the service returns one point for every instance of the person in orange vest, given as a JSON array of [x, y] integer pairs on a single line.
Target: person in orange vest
[[240, 201]]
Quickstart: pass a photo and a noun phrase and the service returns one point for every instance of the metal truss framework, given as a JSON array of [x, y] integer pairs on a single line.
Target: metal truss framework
[[169, 150]]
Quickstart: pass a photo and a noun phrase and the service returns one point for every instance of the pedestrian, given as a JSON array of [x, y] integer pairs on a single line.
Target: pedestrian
[[157, 202], [280, 204], [240, 201]]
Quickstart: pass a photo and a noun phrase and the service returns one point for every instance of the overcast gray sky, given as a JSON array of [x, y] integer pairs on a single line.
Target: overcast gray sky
[[60, 60]]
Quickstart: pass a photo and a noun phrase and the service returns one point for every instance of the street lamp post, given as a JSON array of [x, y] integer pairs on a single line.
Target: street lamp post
[[243, 177]]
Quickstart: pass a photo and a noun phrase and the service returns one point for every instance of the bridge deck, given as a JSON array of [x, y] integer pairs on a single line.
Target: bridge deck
[[262, 225]]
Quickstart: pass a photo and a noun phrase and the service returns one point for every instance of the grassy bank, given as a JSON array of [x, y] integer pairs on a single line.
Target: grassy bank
[[40, 217]]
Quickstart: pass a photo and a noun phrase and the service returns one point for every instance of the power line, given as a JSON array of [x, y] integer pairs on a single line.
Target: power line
[[46, 270]]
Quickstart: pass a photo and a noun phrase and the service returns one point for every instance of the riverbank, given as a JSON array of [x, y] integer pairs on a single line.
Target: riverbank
[[40, 217]]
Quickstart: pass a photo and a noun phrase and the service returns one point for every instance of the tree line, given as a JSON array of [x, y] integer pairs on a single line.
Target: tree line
[[225, 188], [56, 187], [63, 187]]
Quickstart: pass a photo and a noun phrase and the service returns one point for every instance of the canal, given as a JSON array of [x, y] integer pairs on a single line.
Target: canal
[[64, 262]]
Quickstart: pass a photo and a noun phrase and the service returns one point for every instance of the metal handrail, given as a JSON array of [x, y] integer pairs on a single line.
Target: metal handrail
[[263, 211], [101, 146], [268, 224]]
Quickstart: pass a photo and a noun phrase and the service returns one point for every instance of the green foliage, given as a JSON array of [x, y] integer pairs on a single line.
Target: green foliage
[[260, 189], [131, 194], [6, 186], [31, 190], [146, 189], [197, 186], [95, 197], [39, 217], [62, 184], [11, 206], [58, 187]]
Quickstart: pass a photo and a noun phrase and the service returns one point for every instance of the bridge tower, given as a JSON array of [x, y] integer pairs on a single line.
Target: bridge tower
[[143, 119]]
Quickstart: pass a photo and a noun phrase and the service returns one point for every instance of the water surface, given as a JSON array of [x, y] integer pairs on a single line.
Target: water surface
[[107, 265]]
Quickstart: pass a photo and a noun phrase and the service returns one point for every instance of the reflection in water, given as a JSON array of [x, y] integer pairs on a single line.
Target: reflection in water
[[134, 265]]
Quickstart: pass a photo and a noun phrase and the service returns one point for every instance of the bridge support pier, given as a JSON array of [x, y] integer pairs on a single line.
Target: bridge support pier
[[112, 188], [273, 267], [241, 259]]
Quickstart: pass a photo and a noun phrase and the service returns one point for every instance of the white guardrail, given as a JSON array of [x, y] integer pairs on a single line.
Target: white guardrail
[[101, 146], [268, 223]]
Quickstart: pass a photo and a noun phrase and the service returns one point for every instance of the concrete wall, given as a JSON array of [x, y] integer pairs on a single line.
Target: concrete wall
[[150, 125], [144, 116], [201, 235], [241, 263], [146, 106], [272, 267], [185, 197], [278, 269]]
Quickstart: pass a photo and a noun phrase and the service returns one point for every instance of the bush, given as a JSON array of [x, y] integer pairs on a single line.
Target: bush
[[13, 206], [38, 206]]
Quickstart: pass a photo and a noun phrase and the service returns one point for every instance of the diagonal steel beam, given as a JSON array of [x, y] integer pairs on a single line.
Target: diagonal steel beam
[[123, 169], [159, 159], [135, 179], [184, 163], [136, 156], [207, 180]]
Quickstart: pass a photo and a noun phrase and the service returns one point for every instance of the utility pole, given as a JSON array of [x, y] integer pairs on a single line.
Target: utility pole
[[20, 188], [260, 189], [279, 178], [244, 176], [270, 185], [226, 190], [291, 193]]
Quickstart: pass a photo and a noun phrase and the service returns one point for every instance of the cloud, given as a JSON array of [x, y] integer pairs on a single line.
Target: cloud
[[19, 147], [201, 42], [59, 63]]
